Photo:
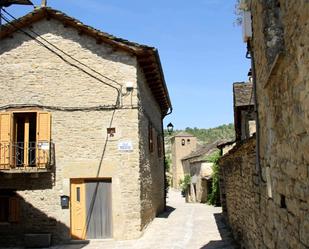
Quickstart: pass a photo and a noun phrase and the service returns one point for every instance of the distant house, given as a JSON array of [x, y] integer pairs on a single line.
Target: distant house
[[81, 138], [199, 167], [244, 115], [182, 145]]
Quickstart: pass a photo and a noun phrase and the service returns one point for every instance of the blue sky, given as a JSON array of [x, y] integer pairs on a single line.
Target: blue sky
[[201, 49]]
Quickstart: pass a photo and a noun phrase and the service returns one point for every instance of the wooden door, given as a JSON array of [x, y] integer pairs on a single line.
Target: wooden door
[[98, 209], [78, 209]]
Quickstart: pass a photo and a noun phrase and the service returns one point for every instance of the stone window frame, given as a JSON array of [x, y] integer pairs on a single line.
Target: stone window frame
[[273, 26]]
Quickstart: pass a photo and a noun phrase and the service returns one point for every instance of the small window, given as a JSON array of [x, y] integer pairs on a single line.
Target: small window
[[78, 194], [183, 142], [9, 206], [188, 141], [150, 137], [4, 209]]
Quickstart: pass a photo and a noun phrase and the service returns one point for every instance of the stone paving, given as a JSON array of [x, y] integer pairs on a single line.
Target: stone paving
[[183, 226]]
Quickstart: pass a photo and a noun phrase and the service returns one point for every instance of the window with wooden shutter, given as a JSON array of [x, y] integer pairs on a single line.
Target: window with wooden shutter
[[150, 137], [9, 206], [4, 208], [5, 139], [159, 145], [14, 209], [43, 138]]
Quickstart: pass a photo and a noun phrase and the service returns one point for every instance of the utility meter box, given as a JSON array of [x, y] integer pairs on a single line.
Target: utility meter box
[[246, 26], [64, 201]]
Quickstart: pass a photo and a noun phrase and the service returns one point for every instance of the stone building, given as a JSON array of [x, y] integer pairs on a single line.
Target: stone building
[[244, 116], [265, 178], [199, 167], [182, 145], [81, 133]]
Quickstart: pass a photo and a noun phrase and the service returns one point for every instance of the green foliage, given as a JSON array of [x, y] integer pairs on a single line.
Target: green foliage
[[168, 178], [168, 162], [214, 195], [185, 183], [212, 134]]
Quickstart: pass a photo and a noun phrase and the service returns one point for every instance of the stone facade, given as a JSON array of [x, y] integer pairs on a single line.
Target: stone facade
[[32, 75], [267, 201], [182, 145]]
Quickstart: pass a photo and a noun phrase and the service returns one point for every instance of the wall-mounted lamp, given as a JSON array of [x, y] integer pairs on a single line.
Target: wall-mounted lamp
[[170, 128], [129, 86]]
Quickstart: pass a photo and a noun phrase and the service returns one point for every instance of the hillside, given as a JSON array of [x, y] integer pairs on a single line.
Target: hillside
[[204, 136]]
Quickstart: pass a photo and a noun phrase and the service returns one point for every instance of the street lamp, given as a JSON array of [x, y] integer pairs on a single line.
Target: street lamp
[[170, 128]]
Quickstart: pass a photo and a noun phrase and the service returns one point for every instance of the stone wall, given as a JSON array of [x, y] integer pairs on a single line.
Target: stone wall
[[271, 207], [30, 74], [280, 51], [151, 163], [239, 191]]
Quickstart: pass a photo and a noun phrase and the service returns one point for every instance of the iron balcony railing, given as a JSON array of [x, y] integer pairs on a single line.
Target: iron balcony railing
[[32, 155]]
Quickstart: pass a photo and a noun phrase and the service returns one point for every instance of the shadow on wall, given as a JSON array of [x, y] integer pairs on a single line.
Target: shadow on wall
[[227, 241], [24, 218], [21, 182]]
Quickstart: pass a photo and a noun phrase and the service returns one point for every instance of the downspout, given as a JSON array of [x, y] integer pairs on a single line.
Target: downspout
[[256, 109], [164, 158]]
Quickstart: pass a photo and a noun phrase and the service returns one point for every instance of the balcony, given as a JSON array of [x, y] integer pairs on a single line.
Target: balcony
[[32, 157]]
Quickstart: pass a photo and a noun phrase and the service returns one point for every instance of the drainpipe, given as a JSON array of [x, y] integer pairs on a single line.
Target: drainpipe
[[250, 54]]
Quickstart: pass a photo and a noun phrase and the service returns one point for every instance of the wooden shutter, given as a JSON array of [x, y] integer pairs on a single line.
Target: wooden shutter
[[159, 145], [5, 139], [43, 138], [14, 209], [150, 137]]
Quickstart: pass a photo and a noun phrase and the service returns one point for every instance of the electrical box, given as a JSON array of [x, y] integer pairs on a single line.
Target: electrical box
[[246, 26]]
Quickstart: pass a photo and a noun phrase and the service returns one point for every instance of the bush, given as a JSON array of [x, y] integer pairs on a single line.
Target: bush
[[214, 196], [185, 183]]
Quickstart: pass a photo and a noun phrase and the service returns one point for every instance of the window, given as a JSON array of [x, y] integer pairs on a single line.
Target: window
[[183, 142], [150, 137], [78, 194], [9, 206], [159, 144], [25, 139], [4, 209]]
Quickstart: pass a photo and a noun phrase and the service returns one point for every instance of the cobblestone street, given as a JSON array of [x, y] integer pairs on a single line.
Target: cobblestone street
[[184, 226]]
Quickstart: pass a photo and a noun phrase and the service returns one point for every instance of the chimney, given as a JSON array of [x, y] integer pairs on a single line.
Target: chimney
[[44, 3]]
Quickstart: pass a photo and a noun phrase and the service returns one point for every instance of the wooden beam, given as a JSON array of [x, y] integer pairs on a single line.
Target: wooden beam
[[152, 74]]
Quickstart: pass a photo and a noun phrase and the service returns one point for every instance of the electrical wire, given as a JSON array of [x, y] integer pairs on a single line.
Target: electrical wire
[[71, 57], [68, 109], [62, 58]]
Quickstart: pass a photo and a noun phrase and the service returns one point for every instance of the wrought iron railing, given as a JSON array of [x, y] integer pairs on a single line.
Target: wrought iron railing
[[29, 155]]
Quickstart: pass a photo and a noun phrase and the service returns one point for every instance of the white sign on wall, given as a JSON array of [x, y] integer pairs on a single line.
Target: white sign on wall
[[125, 146]]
